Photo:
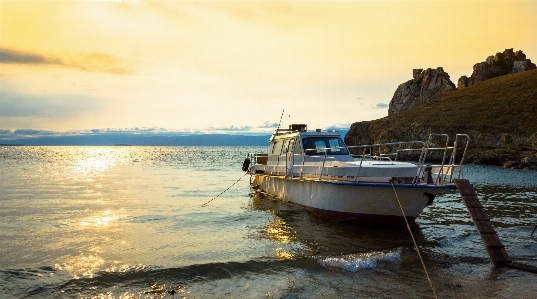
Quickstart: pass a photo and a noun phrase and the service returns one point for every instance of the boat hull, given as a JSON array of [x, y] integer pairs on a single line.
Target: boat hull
[[375, 203]]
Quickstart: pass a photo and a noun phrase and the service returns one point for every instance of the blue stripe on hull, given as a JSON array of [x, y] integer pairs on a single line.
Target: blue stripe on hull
[[410, 186]]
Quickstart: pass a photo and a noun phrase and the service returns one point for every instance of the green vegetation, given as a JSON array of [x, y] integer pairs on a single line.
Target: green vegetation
[[506, 104]]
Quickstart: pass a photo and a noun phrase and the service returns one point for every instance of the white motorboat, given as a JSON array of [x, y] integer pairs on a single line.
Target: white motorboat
[[366, 183]]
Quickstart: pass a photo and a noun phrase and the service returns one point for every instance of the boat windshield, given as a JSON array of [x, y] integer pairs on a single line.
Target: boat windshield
[[318, 146]]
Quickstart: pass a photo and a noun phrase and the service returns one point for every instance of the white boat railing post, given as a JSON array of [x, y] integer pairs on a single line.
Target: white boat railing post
[[286, 164], [421, 161], [289, 163], [453, 157], [360, 165], [292, 157], [441, 175], [303, 161], [322, 167], [461, 175]]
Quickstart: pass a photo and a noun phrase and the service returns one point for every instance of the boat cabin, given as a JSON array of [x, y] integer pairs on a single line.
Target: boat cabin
[[299, 144]]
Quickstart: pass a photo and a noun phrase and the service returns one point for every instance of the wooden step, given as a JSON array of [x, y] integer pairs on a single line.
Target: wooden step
[[522, 267], [488, 234]]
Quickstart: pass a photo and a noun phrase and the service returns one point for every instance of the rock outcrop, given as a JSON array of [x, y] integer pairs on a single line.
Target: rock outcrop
[[426, 86], [508, 62]]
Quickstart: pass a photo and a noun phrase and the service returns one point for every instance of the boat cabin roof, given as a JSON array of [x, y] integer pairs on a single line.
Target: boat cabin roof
[[300, 130], [305, 134], [307, 143]]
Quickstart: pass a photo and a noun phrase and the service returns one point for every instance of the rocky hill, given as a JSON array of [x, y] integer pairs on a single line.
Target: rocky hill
[[499, 114], [429, 85], [426, 86], [507, 62]]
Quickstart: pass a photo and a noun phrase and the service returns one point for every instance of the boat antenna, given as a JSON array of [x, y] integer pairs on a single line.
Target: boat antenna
[[281, 116], [276, 132]]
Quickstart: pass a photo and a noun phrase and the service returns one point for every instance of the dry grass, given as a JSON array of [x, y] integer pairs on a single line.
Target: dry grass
[[506, 104]]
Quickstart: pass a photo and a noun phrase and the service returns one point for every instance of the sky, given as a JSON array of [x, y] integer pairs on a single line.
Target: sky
[[234, 66]]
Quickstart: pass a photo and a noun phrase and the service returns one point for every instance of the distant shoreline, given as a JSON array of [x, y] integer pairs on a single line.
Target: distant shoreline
[[120, 145], [140, 140]]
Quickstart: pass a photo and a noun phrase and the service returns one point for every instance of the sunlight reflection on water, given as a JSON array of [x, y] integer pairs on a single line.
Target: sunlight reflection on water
[[100, 220], [127, 222]]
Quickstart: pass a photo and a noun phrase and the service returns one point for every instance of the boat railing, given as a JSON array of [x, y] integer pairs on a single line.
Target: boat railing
[[444, 171], [432, 150], [382, 151], [436, 149], [324, 157]]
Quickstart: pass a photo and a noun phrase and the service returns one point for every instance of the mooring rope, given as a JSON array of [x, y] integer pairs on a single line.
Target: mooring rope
[[203, 205], [414, 240]]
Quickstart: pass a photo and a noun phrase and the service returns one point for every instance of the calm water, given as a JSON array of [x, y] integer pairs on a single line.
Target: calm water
[[128, 222]]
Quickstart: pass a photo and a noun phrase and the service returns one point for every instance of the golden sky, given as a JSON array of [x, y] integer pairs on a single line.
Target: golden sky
[[234, 65]]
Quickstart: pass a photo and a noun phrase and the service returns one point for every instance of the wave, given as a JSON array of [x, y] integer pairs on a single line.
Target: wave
[[50, 282], [357, 262]]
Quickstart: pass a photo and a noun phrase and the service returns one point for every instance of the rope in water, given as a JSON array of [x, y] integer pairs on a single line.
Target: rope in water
[[414, 240], [203, 205]]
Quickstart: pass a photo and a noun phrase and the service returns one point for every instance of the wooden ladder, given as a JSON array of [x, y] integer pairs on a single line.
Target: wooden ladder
[[488, 234]]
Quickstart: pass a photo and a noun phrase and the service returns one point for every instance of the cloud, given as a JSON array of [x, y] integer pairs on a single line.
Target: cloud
[[6, 134], [98, 62], [33, 133], [339, 126], [89, 62], [267, 125], [265, 129], [15, 103], [136, 130], [380, 106], [17, 57], [231, 129]]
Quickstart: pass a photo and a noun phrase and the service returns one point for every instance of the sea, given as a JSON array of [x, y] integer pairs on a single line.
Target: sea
[[183, 222]]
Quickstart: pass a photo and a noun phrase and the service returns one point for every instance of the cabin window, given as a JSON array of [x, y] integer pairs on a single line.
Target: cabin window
[[320, 146], [277, 148], [297, 149], [287, 146]]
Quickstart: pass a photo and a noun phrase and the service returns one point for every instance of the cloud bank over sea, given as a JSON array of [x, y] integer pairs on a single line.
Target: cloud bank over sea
[[212, 136]]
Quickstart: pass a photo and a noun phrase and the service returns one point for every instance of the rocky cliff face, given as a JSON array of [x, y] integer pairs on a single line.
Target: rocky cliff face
[[426, 86], [503, 149], [508, 62]]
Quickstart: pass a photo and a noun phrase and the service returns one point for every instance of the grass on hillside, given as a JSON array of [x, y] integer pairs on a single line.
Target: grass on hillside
[[506, 104]]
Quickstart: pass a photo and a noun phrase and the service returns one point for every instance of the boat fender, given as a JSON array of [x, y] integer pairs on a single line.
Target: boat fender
[[427, 176], [246, 164]]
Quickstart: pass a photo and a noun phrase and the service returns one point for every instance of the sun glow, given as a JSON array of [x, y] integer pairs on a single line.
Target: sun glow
[[91, 162], [100, 220], [79, 65]]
